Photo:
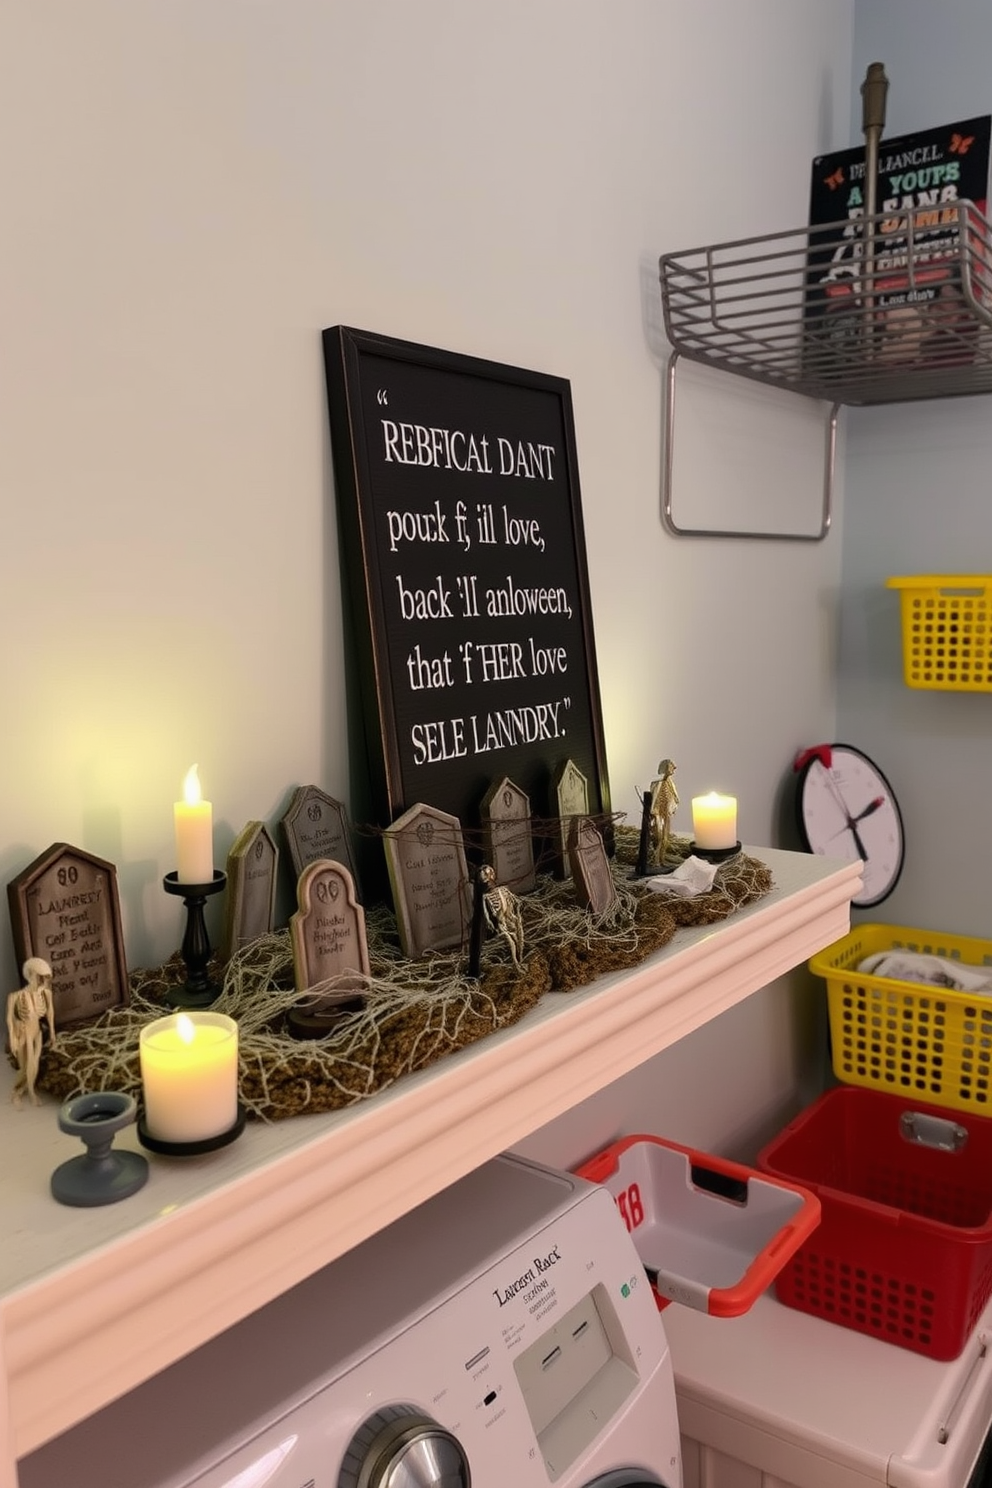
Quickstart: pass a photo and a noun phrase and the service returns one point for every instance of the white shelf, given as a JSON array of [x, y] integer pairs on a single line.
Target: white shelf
[[94, 1301]]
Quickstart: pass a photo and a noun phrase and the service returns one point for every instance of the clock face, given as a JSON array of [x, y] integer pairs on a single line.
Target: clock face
[[845, 809]]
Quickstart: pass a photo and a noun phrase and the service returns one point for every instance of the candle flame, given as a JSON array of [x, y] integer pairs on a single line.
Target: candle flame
[[185, 1028], [191, 787]]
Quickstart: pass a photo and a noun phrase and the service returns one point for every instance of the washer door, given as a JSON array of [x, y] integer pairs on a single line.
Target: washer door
[[626, 1477]]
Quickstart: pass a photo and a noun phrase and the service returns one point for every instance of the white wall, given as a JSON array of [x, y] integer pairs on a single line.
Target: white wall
[[192, 191], [917, 502]]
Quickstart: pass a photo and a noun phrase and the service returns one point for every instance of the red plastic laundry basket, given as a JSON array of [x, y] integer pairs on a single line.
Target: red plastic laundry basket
[[903, 1251]]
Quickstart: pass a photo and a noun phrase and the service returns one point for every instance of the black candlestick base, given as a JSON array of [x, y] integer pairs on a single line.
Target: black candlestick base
[[656, 870], [198, 991]]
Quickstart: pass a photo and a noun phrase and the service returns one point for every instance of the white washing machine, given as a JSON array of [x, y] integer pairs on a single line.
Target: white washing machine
[[780, 1399], [503, 1335]]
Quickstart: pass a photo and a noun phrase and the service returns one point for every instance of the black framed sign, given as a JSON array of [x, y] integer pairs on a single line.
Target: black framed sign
[[463, 545]]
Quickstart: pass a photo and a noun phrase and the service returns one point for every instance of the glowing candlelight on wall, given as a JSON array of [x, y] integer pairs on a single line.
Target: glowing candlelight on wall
[[714, 821], [194, 834], [189, 1075]]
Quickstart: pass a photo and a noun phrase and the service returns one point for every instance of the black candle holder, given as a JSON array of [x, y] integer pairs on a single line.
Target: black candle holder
[[714, 854], [198, 991], [101, 1176], [195, 1148], [644, 867]]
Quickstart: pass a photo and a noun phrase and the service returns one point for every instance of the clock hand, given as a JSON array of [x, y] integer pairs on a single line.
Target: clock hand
[[853, 820], [852, 828], [862, 854], [869, 809], [838, 797]]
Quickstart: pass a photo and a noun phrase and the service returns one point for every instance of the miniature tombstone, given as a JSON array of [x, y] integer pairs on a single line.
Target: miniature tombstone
[[65, 908], [252, 865], [570, 798], [590, 867], [327, 934], [425, 855], [316, 827], [509, 844]]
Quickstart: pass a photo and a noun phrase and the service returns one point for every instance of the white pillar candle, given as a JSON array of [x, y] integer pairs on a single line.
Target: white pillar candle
[[194, 834], [189, 1075], [714, 821]]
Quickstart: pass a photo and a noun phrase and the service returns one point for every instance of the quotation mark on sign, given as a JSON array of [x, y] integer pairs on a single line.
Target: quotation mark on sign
[[382, 398]]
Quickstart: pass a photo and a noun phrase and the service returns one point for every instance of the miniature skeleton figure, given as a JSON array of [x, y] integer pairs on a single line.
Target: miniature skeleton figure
[[664, 803], [27, 1009], [502, 911]]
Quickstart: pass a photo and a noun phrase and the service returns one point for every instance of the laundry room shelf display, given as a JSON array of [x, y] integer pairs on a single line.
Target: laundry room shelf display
[[414, 1013], [93, 1302]]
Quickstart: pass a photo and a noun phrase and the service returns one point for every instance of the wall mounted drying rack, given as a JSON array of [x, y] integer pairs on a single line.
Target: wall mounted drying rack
[[811, 312]]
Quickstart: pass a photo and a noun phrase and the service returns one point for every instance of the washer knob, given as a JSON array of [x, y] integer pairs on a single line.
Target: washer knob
[[400, 1447]]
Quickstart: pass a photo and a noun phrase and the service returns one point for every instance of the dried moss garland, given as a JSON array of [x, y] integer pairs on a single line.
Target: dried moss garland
[[415, 1011]]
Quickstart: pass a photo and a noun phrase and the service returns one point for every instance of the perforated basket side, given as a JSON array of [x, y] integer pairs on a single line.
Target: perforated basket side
[[946, 631], [937, 1048], [934, 1044], [904, 1248]]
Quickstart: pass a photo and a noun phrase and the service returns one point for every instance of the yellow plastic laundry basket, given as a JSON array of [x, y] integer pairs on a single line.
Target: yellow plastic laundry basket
[[946, 631], [932, 1043]]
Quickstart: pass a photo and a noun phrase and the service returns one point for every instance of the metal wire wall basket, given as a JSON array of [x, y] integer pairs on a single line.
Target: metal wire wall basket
[[811, 310]]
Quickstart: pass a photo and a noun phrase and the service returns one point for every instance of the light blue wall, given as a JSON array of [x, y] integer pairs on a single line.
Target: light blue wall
[[937, 56], [918, 502]]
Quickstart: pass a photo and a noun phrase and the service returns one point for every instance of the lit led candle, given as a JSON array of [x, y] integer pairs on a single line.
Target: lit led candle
[[194, 834], [189, 1075], [714, 821]]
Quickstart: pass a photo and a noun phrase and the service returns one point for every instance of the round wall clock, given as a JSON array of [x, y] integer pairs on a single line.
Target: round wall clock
[[845, 808]]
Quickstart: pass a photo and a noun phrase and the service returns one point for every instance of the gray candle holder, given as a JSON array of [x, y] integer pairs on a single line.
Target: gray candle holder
[[101, 1176]]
